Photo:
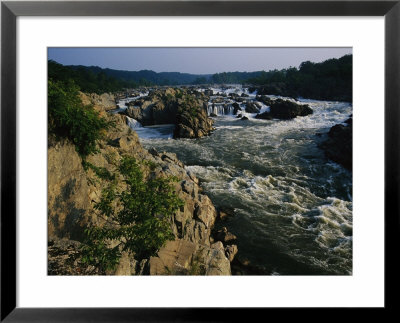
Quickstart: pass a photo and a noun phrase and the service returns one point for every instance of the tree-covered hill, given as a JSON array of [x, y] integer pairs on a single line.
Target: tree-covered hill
[[151, 77], [329, 80], [87, 80]]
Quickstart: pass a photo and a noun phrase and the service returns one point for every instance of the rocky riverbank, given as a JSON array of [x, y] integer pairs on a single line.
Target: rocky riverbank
[[74, 190]]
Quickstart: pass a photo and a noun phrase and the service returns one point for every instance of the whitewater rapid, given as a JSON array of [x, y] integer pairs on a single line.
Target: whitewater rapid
[[293, 207]]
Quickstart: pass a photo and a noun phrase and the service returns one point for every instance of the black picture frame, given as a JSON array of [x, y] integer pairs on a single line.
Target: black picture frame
[[10, 10]]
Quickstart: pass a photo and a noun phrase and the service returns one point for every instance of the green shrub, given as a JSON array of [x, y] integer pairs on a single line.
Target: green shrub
[[101, 172], [140, 224], [69, 118]]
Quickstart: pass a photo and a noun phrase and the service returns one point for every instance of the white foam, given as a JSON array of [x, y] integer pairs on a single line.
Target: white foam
[[133, 123]]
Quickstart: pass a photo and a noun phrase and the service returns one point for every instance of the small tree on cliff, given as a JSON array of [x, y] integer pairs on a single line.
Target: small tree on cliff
[[69, 118], [138, 218]]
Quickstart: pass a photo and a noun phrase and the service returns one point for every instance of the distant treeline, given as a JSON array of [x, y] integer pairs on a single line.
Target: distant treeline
[[146, 77], [86, 79], [329, 80]]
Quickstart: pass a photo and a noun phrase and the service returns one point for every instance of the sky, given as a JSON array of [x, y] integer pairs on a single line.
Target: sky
[[194, 60]]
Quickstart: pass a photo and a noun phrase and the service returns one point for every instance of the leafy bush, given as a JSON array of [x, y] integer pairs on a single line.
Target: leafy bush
[[69, 118], [140, 224]]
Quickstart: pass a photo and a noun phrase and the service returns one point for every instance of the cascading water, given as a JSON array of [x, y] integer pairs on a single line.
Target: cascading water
[[220, 109], [293, 207], [133, 123]]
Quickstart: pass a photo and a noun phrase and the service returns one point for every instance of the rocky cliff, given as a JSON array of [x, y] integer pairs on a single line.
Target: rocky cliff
[[73, 191]]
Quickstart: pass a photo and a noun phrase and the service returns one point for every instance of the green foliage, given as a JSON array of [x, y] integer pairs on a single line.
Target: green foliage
[[201, 80], [94, 79], [329, 80], [88, 80], [101, 172], [233, 77], [140, 224], [96, 252], [170, 97], [69, 118]]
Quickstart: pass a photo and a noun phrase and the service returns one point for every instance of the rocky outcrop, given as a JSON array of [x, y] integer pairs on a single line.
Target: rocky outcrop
[[159, 107], [284, 110], [264, 99], [182, 257], [68, 199], [106, 100], [193, 123], [251, 108], [339, 144], [73, 192], [265, 115], [224, 236], [275, 88], [236, 107], [185, 108]]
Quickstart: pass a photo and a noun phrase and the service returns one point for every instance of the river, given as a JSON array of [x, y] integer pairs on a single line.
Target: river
[[292, 206]]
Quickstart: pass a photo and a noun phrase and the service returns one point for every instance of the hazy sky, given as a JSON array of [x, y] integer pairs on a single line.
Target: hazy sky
[[194, 60]]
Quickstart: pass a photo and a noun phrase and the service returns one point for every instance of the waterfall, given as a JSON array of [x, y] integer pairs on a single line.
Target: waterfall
[[132, 123], [220, 109]]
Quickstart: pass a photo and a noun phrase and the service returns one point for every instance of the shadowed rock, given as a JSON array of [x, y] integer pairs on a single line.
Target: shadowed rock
[[339, 144]]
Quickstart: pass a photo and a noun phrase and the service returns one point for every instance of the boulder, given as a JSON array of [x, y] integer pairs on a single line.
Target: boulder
[[213, 260], [264, 115], [231, 251], [339, 144], [283, 109], [251, 108], [225, 212], [236, 108], [193, 122], [264, 99], [182, 257], [134, 112], [173, 259], [224, 236]]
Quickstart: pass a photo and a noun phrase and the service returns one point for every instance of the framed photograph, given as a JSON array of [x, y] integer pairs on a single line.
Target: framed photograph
[[188, 155]]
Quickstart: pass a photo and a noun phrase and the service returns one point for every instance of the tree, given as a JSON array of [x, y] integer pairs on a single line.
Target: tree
[[69, 118], [138, 218]]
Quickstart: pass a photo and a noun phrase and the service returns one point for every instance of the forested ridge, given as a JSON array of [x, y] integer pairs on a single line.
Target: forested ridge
[[328, 80]]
